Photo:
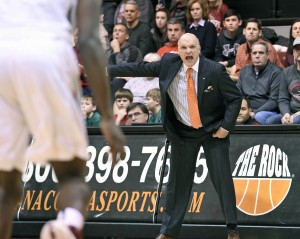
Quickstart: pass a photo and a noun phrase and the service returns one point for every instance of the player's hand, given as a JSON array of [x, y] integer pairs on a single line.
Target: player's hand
[[114, 138], [221, 133]]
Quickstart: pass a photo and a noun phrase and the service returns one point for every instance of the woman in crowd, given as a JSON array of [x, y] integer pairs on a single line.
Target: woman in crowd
[[205, 31], [159, 30], [294, 33]]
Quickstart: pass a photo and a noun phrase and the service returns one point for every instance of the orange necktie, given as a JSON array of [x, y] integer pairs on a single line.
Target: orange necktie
[[192, 100]]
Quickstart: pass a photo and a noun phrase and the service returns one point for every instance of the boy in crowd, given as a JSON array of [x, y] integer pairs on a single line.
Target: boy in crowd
[[89, 111], [123, 98], [229, 40], [153, 105]]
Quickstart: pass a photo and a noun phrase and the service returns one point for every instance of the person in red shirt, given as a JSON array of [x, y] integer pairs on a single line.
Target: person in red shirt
[[175, 30], [252, 32]]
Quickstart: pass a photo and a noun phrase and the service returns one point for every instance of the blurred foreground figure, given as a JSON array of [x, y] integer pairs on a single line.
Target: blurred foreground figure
[[40, 96]]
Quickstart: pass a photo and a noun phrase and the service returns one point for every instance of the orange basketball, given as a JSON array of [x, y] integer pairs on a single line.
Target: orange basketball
[[258, 196]]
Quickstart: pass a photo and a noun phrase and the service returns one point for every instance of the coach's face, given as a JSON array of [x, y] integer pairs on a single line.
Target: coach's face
[[189, 49]]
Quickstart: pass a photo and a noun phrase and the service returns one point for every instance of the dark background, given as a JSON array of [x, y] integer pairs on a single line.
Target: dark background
[[262, 9], [266, 8]]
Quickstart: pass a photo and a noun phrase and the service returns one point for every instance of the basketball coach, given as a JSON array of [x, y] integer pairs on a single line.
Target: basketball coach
[[200, 104]]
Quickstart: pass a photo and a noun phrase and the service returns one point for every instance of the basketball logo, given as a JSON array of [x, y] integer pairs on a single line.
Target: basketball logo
[[262, 179]]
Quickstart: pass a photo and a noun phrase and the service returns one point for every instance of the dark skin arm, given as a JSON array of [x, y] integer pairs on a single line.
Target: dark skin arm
[[94, 61]]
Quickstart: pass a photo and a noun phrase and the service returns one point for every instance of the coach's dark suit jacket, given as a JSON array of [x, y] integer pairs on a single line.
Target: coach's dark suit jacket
[[219, 100]]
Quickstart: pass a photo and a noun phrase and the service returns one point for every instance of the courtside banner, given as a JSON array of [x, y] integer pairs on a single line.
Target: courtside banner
[[264, 164]]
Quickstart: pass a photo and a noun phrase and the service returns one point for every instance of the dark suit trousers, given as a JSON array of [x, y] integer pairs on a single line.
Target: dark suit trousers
[[182, 169]]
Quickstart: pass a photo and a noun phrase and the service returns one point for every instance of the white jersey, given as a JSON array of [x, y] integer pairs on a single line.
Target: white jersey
[[40, 91], [20, 19]]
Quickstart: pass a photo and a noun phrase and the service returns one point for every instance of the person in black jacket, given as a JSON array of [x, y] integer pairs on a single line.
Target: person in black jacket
[[218, 101], [204, 30], [230, 39]]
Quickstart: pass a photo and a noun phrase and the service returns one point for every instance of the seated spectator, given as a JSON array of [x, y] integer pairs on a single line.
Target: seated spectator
[[205, 31], [244, 117], [175, 30], [159, 31], [121, 52], [216, 12], [146, 9], [137, 113], [289, 94], [152, 103], [294, 33], [259, 82], [252, 32], [89, 111], [139, 32], [123, 98], [229, 40], [139, 86]]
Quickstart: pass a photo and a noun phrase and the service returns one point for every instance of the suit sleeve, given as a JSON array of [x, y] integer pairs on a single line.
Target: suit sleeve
[[135, 69]]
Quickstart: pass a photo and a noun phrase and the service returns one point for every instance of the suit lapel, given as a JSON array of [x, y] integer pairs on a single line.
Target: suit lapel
[[202, 73], [173, 71]]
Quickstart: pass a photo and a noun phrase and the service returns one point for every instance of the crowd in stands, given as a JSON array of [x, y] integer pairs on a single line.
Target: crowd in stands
[[265, 67]]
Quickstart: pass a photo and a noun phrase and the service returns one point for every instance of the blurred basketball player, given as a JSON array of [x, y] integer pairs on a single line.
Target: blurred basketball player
[[40, 95]]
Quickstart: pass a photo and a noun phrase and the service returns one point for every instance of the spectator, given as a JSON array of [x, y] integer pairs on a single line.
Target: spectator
[[205, 31], [294, 33], [146, 9], [260, 83], [244, 117], [152, 103], [159, 30], [289, 94], [139, 32], [216, 12], [229, 40], [89, 111], [175, 30], [252, 32], [121, 52], [123, 98], [139, 86], [137, 113]]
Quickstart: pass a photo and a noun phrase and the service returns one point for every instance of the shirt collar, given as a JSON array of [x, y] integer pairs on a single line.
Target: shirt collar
[[195, 66], [201, 23]]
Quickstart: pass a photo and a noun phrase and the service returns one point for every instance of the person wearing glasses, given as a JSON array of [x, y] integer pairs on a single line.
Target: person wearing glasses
[[137, 113]]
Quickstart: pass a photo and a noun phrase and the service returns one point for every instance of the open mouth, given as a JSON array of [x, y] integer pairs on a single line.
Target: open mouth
[[189, 58]]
